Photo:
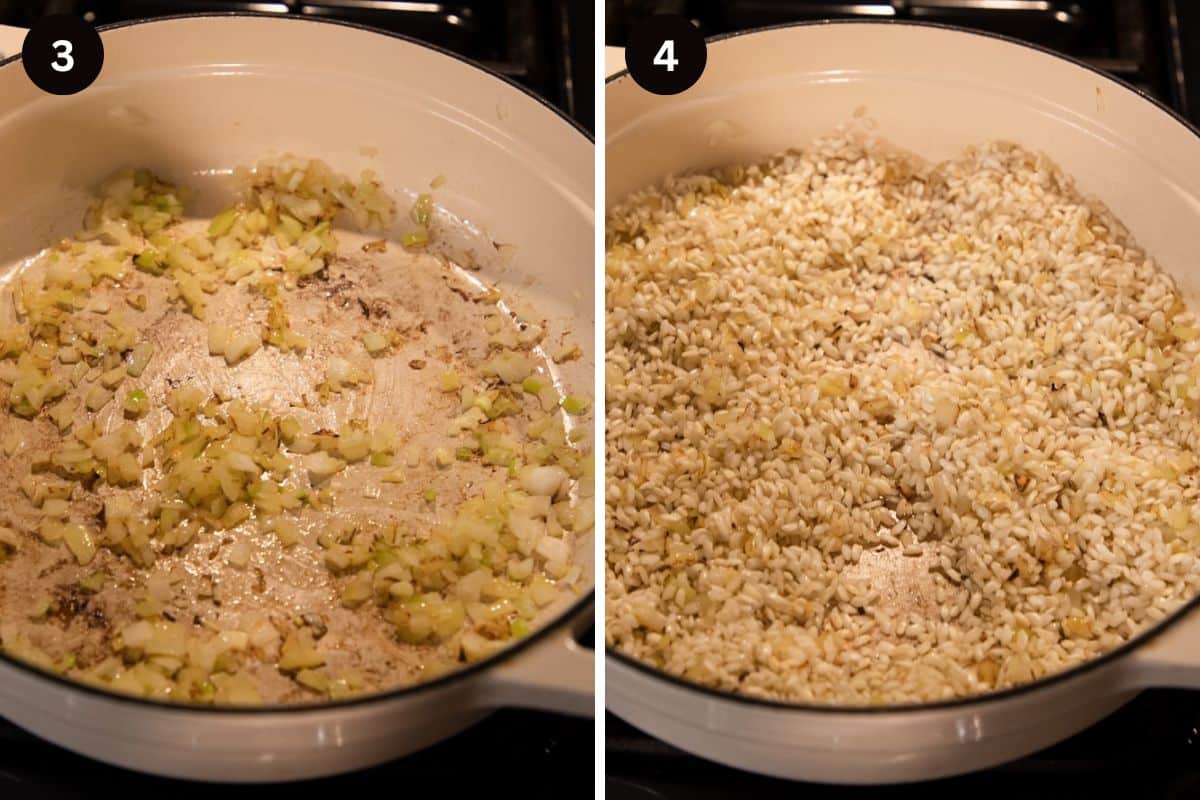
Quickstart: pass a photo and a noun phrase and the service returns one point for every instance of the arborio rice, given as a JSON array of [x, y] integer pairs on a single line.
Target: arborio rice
[[882, 432]]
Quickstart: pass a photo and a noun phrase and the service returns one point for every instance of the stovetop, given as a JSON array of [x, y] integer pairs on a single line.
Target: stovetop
[[544, 45], [548, 756], [1151, 747], [547, 47]]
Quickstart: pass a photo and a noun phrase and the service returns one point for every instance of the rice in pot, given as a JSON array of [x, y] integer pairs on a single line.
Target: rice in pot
[[884, 432]]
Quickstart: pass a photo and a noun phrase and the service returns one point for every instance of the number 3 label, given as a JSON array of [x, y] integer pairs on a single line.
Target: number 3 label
[[64, 62], [666, 56], [62, 54]]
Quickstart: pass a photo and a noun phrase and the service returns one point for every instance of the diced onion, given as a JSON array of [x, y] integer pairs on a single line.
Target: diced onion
[[375, 343], [553, 549], [544, 480], [321, 465]]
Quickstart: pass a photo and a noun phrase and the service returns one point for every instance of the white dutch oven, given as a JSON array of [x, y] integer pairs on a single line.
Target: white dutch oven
[[194, 97], [932, 90], [10, 40]]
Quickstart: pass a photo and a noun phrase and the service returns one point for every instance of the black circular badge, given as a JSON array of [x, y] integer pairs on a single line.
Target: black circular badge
[[665, 54], [62, 54]]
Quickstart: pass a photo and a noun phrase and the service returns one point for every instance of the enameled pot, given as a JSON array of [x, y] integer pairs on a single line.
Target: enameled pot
[[932, 90], [194, 97]]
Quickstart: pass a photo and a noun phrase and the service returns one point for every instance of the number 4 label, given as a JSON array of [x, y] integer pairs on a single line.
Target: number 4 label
[[666, 56], [665, 53]]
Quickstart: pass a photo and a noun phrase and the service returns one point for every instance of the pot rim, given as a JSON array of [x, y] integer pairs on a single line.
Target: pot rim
[[564, 619], [968, 701]]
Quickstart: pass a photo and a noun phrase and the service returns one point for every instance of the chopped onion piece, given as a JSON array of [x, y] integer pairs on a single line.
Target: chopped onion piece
[[375, 343], [287, 531], [222, 223], [575, 405], [113, 377], [321, 465], [242, 463], [241, 346], [97, 398], [137, 403], [240, 553], [80, 542], [299, 651], [544, 480], [476, 648], [219, 339], [553, 549]]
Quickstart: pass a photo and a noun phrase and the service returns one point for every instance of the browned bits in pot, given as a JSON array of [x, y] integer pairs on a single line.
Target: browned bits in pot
[[189, 509], [314, 621]]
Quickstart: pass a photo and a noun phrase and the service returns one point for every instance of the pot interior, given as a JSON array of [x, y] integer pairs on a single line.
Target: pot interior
[[193, 98], [931, 91]]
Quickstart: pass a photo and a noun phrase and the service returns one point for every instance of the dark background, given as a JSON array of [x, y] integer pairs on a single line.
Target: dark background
[[547, 46], [1151, 747]]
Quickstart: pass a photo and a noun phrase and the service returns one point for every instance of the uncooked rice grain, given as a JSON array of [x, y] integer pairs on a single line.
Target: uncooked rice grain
[[882, 431]]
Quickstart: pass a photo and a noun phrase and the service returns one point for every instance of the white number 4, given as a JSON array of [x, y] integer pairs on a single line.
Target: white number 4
[[64, 62], [666, 55]]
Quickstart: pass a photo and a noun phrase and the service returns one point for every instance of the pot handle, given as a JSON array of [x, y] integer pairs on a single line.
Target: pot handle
[[554, 674], [11, 41], [1171, 659]]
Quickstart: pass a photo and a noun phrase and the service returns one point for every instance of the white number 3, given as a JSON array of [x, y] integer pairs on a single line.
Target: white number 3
[[64, 62], [666, 55]]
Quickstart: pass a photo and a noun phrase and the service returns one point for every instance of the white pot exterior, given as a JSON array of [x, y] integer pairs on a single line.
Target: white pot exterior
[[261, 745], [872, 747], [11, 40], [193, 98], [226, 746], [858, 747], [932, 91]]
